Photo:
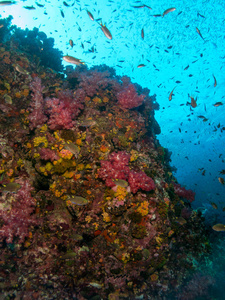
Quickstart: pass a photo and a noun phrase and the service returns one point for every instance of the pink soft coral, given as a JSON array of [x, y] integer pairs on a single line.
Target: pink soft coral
[[128, 97], [16, 213], [117, 168], [139, 180], [64, 109], [182, 192], [37, 117]]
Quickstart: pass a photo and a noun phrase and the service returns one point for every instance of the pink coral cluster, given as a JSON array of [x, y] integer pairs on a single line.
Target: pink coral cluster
[[37, 117], [117, 168], [128, 97], [182, 192], [64, 109], [15, 212], [139, 180], [48, 154]]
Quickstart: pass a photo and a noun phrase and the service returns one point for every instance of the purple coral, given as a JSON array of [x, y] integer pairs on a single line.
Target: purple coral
[[37, 117], [15, 211]]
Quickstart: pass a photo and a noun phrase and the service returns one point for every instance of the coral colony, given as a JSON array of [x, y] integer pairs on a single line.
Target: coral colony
[[89, 207]]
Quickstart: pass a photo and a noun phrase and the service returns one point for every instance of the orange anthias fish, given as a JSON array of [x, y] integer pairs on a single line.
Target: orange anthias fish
[[171, 94]]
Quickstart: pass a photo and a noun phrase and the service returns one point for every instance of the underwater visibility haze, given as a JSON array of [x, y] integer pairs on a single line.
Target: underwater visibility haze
[[112, 149]]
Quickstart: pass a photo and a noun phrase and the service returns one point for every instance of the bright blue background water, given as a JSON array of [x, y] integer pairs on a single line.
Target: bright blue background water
[[170, 45]]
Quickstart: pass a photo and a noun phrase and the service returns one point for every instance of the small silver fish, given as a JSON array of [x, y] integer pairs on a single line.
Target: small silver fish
[[77, 200], [90, 15], [106, 31], [198, 31], [168, 11], [73, 60], [21, 70], [96, 284]]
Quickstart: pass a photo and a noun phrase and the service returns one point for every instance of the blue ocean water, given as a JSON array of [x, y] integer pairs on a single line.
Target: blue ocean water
[[182, 51]]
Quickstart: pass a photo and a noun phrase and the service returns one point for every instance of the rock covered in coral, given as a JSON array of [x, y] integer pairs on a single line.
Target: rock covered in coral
[[98, 214]]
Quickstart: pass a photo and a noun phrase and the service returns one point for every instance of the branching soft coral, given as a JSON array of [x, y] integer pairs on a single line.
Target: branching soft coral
[[37, 117], [128, 97], [64, 109], [16, 214], [182, 192], [117, 168]]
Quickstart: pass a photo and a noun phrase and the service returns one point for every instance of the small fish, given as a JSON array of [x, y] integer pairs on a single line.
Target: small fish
[[193, 101], [219, 227], [142, 33], [73, 60], [77, 200], [106, 31], [62, 13], [120, 182], [88, 123], [11, 187], [141, 66], [221, 180], [141, 6], [40, 5], [222, 172], [96, 284], [168, 11], [72, 148], [199, 15], [64, 3], [171, 94], [215, 82], [90, 15], [21, 70], [2, 3], [198, 31], [217, 104], [181, 221], [29, 7], [71, 43], [214, 205], [69, 255]]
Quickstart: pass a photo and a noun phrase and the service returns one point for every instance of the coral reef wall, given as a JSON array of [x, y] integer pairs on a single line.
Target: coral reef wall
[[89, 208]]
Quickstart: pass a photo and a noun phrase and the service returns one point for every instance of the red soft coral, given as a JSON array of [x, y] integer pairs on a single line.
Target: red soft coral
[[182, 192], [117, 168], [139, 180], [128, 97]]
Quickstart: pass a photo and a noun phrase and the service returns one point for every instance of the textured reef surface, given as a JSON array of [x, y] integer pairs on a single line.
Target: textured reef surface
[[89, 207]]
